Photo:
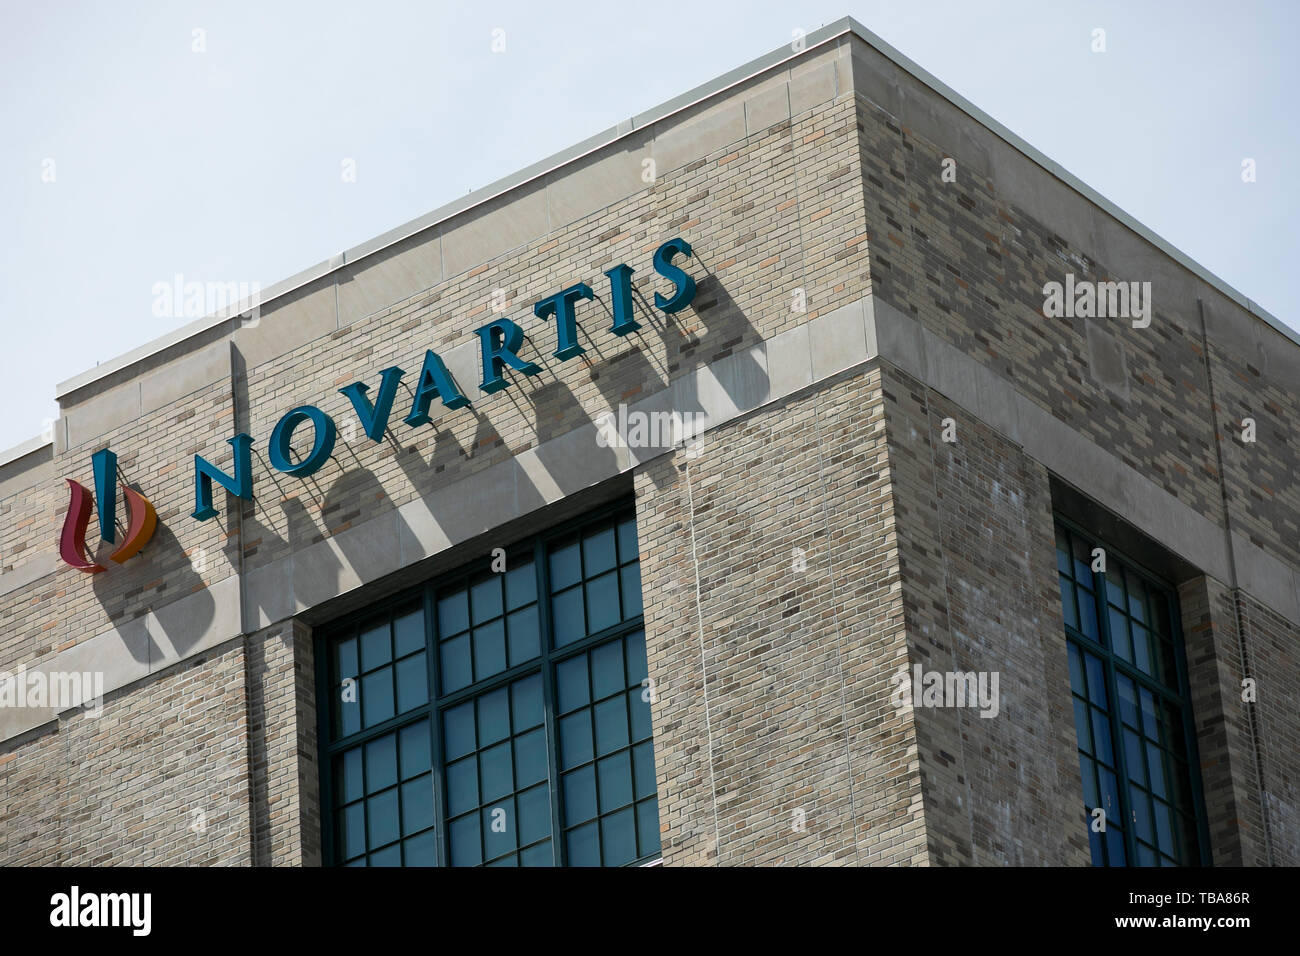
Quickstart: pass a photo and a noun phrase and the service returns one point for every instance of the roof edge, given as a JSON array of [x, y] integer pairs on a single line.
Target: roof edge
[[535, 171]]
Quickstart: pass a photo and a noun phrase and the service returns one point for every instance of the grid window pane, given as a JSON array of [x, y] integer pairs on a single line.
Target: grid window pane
[[440, 746], [1130, 712]]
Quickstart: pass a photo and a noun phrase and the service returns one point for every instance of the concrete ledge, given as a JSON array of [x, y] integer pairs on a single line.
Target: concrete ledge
[[828, 347], [25, 465], [131, 652], [39, 563]]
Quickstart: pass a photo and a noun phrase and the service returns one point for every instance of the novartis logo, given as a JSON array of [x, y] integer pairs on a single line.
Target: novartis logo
[[499, 344], [142, 519]]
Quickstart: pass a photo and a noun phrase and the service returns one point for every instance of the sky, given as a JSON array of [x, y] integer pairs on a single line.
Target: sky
[[245, 141]]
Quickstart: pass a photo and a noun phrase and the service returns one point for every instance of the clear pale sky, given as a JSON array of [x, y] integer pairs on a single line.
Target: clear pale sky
[[225, 165]]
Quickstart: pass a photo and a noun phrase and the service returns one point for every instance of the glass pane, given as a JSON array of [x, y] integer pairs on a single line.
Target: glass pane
[[1082, 727], [567, 621], [1082, 561], [583, 846], [1087, 614], [414, 745], [1119, 636], [526, 702], [352, 835], [1096, 846], [376, 649], [462, 786], [453, 614], [1128, 711], [647, 827], [381, 819], [611, 725], [1150, 716], [643, 765], [1142, 649], [1101, 738], [1134, 761], [489, 649], [627, 543], [614, 781], [417, 804], [540, 855], [1088, 774], [1115, 584], [579, 788], [499, 829], [1069, 609], [392, 856], [493, 717], [408, 633], [521, 585], [463, 837], [485, 599], [598, 552], [618, 838], [1110, 798], [421, 850], [1096, 680], [455, 664], [381, 763], [1115, 852], [530, 757], [1141, 814], [346, 659], [458, 730], [1062, 550], [1137, 592], [1076, 671], [1155, 765], [534, 810], [607, 670], [565, 566], [629, 585], [496, 779], [571, 683], [639, 708], [349, 785], [347, 715], [602, 603], [636, 663], [412, 682], [575, 739], [377, 696], [525, 637]]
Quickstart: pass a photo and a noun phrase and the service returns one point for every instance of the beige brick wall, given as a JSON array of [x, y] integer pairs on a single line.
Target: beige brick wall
[[773, 630]]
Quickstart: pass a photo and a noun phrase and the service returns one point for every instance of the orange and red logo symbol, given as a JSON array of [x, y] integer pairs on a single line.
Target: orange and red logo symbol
[[140, 527]]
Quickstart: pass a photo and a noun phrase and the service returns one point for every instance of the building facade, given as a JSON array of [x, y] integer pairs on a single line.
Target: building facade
[[805, 472]]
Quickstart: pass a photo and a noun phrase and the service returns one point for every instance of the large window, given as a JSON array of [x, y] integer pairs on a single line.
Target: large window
[[496, 717], [1132, 717]]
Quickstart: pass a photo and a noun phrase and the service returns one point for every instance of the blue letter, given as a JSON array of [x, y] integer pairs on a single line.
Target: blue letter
[[321, 448], [241, 485], [374, 418], [434, 380], [500, 340], [105, 465], [664, 266], [620, 290], [561, 306]]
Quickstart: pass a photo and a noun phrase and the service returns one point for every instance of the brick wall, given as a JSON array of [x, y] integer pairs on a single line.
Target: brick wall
[[773, 631]]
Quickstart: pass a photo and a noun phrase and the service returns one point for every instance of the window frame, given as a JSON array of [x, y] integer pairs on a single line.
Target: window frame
[[425, 594], [1113, 663]]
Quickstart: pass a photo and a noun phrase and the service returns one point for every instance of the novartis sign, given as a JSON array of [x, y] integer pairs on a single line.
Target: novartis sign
[[499, 344]]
